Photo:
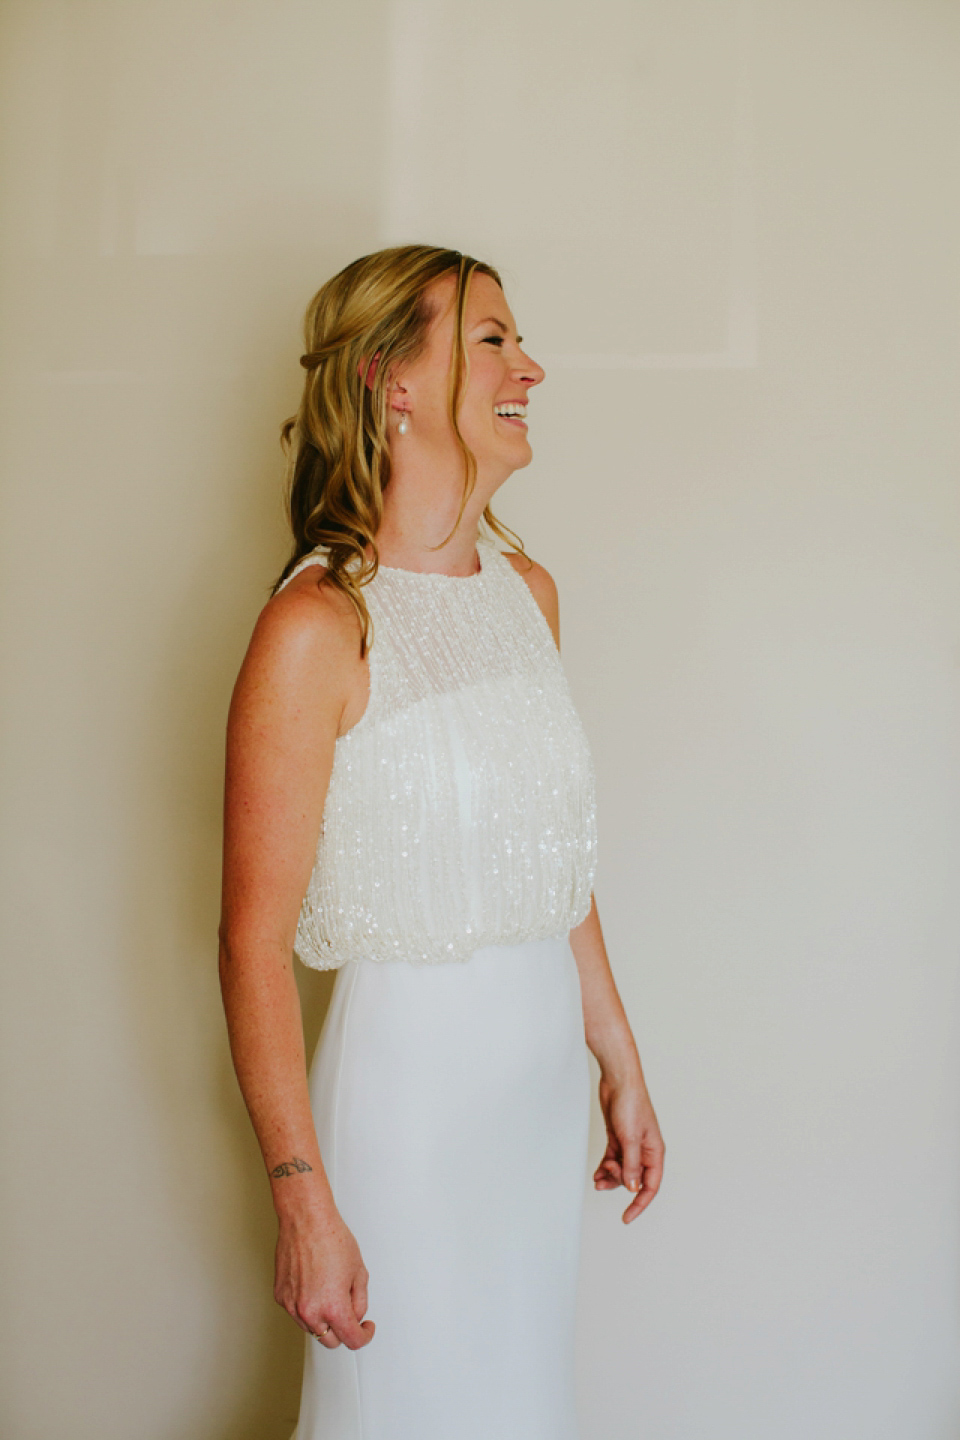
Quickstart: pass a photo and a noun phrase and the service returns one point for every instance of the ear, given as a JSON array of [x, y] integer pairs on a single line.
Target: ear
[[368, 369]]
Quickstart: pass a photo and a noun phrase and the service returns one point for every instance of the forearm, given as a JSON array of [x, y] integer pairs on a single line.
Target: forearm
[[606, 1026], [265, 1028]]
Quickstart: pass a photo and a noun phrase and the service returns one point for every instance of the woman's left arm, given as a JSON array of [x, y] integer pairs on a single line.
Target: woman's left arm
[[634, 1154], [635, 1149]]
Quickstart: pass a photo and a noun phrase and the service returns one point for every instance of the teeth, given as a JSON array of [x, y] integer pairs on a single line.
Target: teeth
[[511, 408]]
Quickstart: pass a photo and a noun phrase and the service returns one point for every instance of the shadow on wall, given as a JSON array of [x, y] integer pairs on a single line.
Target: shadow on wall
[[217, 1195], [217, 1186]]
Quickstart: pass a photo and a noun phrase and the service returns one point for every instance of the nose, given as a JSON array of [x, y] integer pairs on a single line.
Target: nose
[[528, 372]]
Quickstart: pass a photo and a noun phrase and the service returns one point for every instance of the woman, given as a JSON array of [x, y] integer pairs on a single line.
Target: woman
[[410, 800]]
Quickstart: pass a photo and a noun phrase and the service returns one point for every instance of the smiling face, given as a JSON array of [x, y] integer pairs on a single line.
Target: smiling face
[[499, 377]]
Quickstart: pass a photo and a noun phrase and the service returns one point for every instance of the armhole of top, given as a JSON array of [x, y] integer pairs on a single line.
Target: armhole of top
[[530, 600], [372, 687], [310, 559]]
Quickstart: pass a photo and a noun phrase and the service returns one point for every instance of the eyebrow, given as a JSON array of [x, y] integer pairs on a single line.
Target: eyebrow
[[492, 320]]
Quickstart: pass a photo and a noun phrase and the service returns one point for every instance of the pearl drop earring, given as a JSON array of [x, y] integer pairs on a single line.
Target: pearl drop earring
[[404, 425]]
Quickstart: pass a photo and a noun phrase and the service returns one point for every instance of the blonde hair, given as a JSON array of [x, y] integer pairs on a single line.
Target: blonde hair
[[336, 444]]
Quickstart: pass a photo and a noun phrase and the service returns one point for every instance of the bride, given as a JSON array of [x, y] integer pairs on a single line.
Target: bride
[[410, 801]]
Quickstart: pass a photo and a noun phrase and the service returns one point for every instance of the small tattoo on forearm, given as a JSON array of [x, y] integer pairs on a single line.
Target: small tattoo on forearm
[[290, 1167]]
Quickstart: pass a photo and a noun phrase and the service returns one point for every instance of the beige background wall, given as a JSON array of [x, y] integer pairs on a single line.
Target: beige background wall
[[730, 232]]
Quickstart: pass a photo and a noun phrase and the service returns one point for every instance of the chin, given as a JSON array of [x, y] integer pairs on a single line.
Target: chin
[[504, 459], [519, 451]]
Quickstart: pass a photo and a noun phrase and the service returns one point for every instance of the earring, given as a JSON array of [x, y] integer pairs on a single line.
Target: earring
[[404, 425]]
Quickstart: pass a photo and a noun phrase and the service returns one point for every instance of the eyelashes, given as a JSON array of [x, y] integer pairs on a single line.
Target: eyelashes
[[493, 339]]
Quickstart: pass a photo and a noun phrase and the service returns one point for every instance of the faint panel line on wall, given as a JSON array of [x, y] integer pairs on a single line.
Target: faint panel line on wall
[[741, 349], [618, 165]]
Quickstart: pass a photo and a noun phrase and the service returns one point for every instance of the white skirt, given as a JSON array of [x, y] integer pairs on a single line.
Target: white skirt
[[451, 1104]]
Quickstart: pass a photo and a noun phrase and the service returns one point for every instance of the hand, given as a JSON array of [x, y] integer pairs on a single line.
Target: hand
[[321, 1279], [635, 1148]]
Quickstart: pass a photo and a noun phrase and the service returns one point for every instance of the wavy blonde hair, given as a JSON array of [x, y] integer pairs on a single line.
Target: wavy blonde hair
[[336, 444]]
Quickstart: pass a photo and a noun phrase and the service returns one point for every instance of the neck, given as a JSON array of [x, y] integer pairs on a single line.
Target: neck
[[420, 507]]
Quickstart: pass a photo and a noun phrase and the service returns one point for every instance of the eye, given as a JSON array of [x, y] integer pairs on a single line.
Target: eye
[[493, 339]]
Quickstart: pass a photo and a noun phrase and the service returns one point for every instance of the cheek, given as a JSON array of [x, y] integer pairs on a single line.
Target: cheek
[[486, 383]]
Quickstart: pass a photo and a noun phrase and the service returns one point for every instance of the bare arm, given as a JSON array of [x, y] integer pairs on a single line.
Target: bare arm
[[635, 1150], [295, 688]]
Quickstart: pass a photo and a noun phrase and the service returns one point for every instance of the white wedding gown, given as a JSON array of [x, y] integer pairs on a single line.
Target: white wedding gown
[[450, 1083]]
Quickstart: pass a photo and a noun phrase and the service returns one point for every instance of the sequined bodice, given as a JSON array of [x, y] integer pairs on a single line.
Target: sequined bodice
[[461, 807]]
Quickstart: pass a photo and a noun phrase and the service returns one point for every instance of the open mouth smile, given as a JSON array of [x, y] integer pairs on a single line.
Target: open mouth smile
[[514, 412]]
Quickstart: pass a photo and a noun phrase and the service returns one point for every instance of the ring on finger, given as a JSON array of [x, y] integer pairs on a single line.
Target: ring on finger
[[319, 1334]]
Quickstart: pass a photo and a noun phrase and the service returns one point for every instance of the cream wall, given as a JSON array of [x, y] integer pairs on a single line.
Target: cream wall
[[729, 231]]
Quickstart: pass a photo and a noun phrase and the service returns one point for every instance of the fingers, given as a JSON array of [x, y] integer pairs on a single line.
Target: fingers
[[336, 1319], [651, 1176], [632, 1167], [335, 1324], [608, 1174], [359, 1294], [606, 1180], [639, 1203], [653, 1173], [349, 1324], [367, 1331], [636, 1162], [315, 1322], [351, 1332], [321, 1282]]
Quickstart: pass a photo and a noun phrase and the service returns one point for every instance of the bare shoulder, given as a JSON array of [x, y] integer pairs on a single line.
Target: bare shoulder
[[542, 586], [304, 653]]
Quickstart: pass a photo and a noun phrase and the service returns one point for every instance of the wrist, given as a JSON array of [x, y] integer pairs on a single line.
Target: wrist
[[619, 1064], [301, 1193], [304, 1209]]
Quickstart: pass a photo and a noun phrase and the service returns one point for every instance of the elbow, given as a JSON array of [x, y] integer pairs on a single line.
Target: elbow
[[238, 952], [225, 957], [226, 941], [233, 951]]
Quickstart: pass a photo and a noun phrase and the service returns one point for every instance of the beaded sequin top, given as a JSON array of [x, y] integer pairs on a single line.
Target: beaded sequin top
[[461, 808]]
